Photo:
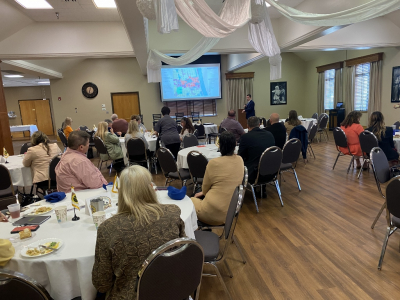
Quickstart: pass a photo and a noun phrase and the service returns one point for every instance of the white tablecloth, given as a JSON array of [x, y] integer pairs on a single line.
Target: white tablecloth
[[152, 141], [209, 151], [31, 128], [397, 143], [67, 273], [210, 129], [20, 175], [305, 121]]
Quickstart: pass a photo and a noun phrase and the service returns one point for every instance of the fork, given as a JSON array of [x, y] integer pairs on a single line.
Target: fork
[[45, 247]]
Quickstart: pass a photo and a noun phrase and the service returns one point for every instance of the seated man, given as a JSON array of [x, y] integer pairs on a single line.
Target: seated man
[[253, 144], [75, 168], [277, 129], [232, 125], [120, 126]]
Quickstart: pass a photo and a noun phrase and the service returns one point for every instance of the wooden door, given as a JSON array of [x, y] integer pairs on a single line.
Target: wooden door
[[125, 105], [43, 116], [28, 113]]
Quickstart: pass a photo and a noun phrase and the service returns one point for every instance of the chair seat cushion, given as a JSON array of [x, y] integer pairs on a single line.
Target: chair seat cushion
[[396, 221], [8, 192], [286, 166], [173, 175], [209, 241], [184, 173]]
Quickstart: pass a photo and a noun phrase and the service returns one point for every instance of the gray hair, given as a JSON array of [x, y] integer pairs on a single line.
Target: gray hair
[[114, 116], [253, 122]]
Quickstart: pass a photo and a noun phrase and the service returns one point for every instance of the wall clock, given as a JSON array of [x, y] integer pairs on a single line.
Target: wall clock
[[90, 90]]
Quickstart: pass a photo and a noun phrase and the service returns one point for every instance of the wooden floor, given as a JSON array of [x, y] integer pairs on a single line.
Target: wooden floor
[[320, 245]]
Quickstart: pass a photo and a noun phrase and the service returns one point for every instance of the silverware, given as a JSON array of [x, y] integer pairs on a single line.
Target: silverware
[[45, 247]]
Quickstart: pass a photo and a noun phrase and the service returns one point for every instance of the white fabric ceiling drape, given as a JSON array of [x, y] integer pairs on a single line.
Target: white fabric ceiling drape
[[167, 18], [366, 11]]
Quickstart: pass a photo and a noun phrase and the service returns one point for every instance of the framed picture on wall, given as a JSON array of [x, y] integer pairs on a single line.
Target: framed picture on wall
[[395, 85], [278, 93]]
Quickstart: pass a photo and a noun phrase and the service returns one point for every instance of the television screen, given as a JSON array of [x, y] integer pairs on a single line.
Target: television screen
[[190, 82]]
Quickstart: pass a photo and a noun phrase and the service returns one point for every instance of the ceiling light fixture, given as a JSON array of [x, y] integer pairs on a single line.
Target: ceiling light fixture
[[266, 3], [105, 3], [43, 82], [13, 76], [34, 4]]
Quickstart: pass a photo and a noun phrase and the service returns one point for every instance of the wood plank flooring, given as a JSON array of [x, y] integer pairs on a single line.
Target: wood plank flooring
[[320, 245]]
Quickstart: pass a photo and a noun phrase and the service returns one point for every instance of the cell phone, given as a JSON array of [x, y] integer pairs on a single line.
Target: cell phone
[[21, 228]]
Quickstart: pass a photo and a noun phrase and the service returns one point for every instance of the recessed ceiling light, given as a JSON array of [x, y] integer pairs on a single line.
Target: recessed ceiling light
[[268, 5], [13, 76], [34, 4], [105, 3]]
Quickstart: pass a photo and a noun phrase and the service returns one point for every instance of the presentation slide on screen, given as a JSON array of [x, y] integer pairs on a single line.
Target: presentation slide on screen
[[191, 82]]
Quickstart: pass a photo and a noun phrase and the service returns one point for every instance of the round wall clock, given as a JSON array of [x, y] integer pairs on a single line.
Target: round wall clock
[[90, 90]]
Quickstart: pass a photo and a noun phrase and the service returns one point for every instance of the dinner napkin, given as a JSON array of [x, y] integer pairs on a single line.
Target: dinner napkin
[[55, 197], [176, 194]]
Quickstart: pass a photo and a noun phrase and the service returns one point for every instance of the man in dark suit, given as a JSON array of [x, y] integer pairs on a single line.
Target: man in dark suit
[[277, 129], [253, 144], [249, 107]]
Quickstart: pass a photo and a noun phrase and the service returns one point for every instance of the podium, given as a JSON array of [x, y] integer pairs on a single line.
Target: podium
[[242, 118], [336, 116]]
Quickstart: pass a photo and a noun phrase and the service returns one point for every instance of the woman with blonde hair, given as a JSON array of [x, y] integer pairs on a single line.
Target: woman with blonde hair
[[138, 119], [67, 127], [292, 121], [383, 134], [111, 141], [38, 157], [133, 131], [127, 239]]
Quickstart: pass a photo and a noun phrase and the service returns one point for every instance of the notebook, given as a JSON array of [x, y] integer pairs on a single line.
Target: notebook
[[31, 220]]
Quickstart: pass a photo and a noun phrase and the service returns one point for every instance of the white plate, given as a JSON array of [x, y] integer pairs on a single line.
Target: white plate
[[32, 212], [16, 239], [41, 242]]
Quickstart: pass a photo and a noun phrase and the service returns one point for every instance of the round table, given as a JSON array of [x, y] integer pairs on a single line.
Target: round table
[[67, 273], [20, 175], [210, 151], [396, 140], [152, 141], [211, 128]]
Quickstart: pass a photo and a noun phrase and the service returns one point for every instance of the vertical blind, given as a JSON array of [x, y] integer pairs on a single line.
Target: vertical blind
[[329, 90], [206, 108], [361, 88]]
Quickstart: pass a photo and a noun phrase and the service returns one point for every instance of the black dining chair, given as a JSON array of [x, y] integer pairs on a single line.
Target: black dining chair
[[195, 116], [290, 154], [7, 189], [176, 266], [368, 141], [101, 149], [63, 139], [25, 147], [14, 285], [268, 170], [323, 126], [311, 136], [179, 128], [170, 168], [178, 117], [197, 164], [52, 172], [397, 124], [314, 116], [215, 135], [190, 141], [83, 128], [156, 118], [136, 152], [201, 132], [341, 141]]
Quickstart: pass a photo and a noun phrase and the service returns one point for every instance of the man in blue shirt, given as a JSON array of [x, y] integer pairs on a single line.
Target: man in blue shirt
[[249, 107]]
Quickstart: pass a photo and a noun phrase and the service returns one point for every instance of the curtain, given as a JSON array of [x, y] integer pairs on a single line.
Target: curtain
[[237, 91], [348, 87], [321, 93], [375, 88], [338, 87], [366, 11]]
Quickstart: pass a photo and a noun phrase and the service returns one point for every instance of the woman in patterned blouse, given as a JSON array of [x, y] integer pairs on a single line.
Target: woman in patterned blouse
[[127, 239]]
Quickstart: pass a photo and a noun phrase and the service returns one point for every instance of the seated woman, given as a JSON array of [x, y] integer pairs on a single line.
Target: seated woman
[[127, 239], [38, 158], [138, 119], [133, 131], [292, 121], [111, 141], [223, 175], [67, 129], [383, 134], [187, 128], [352, 128]]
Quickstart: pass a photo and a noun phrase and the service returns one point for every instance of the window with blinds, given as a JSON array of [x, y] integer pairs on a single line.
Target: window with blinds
[[361, 87], [206, 108], [329, 89]]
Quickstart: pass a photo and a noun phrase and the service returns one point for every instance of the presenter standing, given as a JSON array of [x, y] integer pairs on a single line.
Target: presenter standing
[[249, 107]]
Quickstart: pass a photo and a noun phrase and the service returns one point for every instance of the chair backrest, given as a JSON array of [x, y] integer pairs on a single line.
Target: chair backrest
[[368, 141], [397, 124], [135, 147], [380, 165], [323, 121], [197, 163], [245, 177], [6, 182], [313, 132], [98, 143], [340, 137], [175, 267], [270, 162], [166, 160], [156, 117], [200, 130], [25, 147], [179, 128], [315, 116], [221, 129], [62, 137], [179, 115], [310, 125], [232, 211], [14, 285], [190, 141], [52, 167], [83, 128], [392, 196], [291, 151]]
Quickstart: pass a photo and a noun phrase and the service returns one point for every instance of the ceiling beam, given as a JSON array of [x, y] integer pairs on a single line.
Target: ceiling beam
[[23, 65]]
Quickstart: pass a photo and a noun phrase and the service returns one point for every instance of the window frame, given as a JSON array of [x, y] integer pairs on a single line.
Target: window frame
[[355, 86], [326, 80]]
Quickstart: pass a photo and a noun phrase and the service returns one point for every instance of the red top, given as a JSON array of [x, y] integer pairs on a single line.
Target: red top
[[352, 132], [120, 125]]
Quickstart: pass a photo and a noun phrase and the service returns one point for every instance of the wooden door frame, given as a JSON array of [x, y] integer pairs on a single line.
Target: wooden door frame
[[121, 93], [51, 113]]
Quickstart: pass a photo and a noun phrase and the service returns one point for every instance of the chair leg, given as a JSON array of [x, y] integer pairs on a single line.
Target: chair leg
[[222, 280], [298, 183], [148, 166], [359, 173], [278, 190], [229, 269], [312, 150], [326, 132], [111, 165], [384, 248], [234, 239], [351, 162], [378, 215], [254, 196], [337, 157]]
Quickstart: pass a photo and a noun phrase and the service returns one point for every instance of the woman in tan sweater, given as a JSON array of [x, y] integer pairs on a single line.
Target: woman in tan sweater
[[223, 175]]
